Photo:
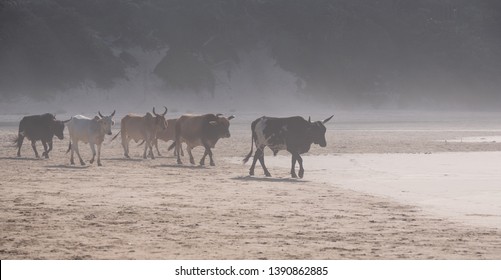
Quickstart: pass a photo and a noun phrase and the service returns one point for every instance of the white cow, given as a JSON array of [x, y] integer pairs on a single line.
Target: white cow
[[90, 131]]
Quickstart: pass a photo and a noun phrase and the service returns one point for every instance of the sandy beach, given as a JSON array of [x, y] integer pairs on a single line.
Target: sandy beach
[[380, 190]]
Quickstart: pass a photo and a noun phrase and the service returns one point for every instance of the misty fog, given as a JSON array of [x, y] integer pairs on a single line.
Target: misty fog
[[71, 56]]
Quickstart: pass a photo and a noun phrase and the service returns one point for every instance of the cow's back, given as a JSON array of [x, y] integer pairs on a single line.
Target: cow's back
[[136, 127], [36, 127], [81, 128], [169, 133], [191, 127]]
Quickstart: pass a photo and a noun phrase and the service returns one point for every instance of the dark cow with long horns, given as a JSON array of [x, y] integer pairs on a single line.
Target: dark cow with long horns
[[294, 134], [39, 127], [200, 130]]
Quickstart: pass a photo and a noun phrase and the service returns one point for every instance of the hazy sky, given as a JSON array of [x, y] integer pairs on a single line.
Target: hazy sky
[[345, 53]]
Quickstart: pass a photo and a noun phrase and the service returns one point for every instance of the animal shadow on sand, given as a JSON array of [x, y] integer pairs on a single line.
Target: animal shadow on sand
[[64, 166], [123, 159], [21, 158], [180, 166], [268, 179]]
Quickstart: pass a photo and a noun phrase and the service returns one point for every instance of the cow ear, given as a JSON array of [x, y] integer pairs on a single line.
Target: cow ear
[[328, 119], [112, 114], [309, 119], [231, 117], [214, 123]]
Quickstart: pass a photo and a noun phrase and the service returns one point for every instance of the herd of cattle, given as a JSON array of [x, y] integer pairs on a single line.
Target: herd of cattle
[[294, 134]]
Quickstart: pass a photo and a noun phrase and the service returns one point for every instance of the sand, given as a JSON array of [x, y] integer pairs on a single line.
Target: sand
[[156, 209]]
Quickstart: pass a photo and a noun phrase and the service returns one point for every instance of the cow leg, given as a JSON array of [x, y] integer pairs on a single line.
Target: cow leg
[[20, 140], [293, 168], [151, 150], [77, 151], [254, 160], [45, 152], [202, 160], [50, 149], [99, 154], [177, 152], [156, 146], [210, 156], [33, 145], [189, 148], [261, 160], [125, 145], [72, 162], [301, 169], [207, 152], [146, 146], [93, 149]]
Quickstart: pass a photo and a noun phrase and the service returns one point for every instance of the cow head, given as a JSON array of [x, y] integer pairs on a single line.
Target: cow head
[[106, 122], [160, 121], [57, 127], [317, 131], [222, 125]]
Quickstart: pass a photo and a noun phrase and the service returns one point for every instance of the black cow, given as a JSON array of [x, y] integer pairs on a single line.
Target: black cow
[[39, 127], [293, 134], [200, 130]]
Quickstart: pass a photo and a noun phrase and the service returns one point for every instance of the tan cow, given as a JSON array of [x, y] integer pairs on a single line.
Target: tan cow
[[168, 134], [200, 130], [142, 128]]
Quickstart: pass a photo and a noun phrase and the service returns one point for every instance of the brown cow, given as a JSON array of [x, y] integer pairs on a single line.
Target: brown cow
[[141, 128], [200, 130], [168, 134]]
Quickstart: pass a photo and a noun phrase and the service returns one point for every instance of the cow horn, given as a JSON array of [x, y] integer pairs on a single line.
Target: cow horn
[[231, 117], [309, 119], [217, 115], [328, 119], [165, 111], [112, 114], [67, 121], [99, 113], [154, 113]]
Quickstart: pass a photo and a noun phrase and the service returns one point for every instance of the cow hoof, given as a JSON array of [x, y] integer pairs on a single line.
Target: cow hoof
[[91, 161], [267, 174], [301, 173], [82, 163], [251, 173], [18, 155], [99, 164], [293, 175], [179, 162], [126, 156], [201, 163], [46, 156], [212, 164], [72, 163]]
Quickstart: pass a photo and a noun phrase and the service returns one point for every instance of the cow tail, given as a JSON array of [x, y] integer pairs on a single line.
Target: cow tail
[[16, 141], [252, 145], [69, 147], [117, 136]]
